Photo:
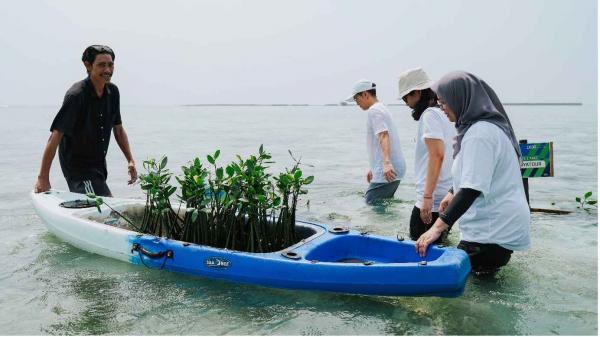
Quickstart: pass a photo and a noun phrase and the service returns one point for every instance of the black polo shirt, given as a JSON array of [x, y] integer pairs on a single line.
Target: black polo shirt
[[86, 121]]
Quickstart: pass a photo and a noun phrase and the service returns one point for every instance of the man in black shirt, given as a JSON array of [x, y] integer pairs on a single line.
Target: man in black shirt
[[82, 127]]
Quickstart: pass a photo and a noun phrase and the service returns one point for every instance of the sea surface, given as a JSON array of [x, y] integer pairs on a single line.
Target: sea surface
[[49, 287]]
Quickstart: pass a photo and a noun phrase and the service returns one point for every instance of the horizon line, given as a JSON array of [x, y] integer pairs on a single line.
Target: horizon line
[[302, 104], [351, 104]]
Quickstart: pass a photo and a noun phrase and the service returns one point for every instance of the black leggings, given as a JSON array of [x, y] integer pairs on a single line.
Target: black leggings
[[485, 257], [418, 227]]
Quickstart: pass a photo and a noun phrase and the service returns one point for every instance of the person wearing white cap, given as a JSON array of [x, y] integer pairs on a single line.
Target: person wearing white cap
[[433, 150], [386, 161]]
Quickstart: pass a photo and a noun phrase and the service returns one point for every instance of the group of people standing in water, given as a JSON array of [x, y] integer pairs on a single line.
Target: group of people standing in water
[[466, 165], [466, 156]]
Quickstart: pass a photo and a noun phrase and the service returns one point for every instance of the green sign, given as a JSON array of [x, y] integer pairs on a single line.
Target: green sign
[[537, 160]]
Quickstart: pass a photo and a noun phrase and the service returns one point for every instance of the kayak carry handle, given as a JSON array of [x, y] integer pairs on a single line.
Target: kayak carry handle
[[136, 247]]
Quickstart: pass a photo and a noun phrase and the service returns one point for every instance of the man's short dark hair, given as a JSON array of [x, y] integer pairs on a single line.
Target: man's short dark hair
[[90, 53], [373, 92]]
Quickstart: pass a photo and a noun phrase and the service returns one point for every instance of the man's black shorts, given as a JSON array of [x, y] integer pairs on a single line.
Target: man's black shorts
[[95, 185]]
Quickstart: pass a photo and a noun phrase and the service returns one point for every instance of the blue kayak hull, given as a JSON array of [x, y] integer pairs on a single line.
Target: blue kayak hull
[[347, 262], [326, 259]]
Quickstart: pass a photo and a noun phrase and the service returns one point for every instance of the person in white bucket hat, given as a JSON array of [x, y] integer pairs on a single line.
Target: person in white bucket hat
[[386, 161], [433, 150]]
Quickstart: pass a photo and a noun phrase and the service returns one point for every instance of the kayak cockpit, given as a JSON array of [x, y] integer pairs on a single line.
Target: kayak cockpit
[[365, 248]]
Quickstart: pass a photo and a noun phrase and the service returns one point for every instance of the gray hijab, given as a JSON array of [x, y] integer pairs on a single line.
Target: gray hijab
[[472, 100]]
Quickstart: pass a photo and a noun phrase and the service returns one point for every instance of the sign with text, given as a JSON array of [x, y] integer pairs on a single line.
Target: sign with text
[[537, 160]]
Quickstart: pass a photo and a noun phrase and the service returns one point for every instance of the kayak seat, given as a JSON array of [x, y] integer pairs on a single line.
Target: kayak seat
[[359, 249]]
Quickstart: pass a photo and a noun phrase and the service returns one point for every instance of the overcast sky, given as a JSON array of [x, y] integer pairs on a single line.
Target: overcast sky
[[186, 52]]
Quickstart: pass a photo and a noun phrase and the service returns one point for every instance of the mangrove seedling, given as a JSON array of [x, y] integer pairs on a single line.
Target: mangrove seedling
[[159, 217], [586, 202]]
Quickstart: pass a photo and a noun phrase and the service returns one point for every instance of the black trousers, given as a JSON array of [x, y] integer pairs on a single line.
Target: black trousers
[[418, 227], [485, 257]]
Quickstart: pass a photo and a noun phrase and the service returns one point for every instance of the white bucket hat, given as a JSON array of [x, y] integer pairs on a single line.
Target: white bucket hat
[[413, 79], [360, 86]]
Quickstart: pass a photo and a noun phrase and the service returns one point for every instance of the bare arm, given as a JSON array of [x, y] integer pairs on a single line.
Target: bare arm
[[43, 181], [435, 150], [388, 169], [123, 141]]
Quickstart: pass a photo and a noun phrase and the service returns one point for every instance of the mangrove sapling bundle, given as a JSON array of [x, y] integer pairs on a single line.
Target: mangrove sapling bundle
[[239, 207], [159, 217], [255, 185], [290, 185], [193, 194]]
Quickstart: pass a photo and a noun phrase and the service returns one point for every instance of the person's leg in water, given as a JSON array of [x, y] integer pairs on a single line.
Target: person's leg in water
[[486, 258], [378, 191]]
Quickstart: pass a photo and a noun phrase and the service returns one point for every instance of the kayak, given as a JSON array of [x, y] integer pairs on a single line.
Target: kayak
[[327, 258]]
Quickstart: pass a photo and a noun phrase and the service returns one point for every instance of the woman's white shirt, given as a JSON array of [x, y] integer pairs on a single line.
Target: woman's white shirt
[[433, 124], [487, 162]]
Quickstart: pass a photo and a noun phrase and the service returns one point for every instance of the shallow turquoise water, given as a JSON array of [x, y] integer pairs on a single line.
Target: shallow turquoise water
[[50, 287]]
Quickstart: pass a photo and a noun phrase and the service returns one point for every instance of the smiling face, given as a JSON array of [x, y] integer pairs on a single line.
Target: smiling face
[[102, 68]]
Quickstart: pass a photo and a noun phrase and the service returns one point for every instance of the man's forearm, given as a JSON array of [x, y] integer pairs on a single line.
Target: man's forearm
[[384, 142], [49, 153], [123, 141]]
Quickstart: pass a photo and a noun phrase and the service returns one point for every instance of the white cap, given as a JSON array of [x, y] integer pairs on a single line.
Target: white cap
[[412, 79], [360, 86]]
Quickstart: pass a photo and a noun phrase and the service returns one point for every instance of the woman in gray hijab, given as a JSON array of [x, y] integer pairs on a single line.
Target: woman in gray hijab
[[490, 198]]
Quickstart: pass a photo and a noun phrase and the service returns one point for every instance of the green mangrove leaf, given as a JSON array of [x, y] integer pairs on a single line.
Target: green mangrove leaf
[[592, 202], [230, 171], [99, 202], [210, 159], [297, 174], [308, 180], [171, 191], [588, 194], [217, 153], [163, 163], [194, 215], [219, 173], [578, 199]]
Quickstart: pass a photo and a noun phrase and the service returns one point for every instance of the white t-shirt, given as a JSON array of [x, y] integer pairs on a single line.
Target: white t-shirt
[[433, 124], [487, 162], [379, 119]]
